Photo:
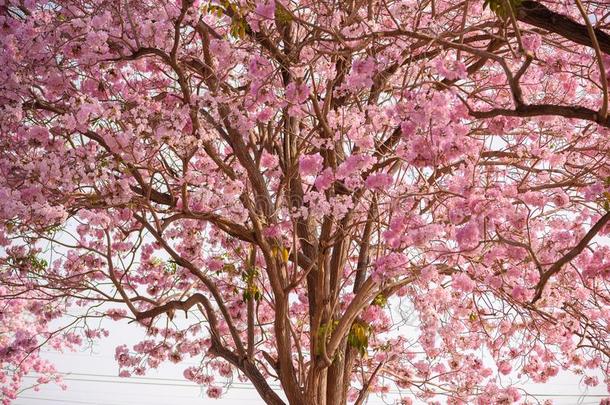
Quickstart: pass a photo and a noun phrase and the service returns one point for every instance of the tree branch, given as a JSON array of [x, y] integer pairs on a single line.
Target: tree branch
[[172, 306], [538, 15], [534, 110], [575, 251]]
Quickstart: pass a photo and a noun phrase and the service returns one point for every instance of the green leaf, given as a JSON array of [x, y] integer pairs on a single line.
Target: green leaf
[[380, 300], [358, 337], [282, 15], [326, 329], [500, 7]]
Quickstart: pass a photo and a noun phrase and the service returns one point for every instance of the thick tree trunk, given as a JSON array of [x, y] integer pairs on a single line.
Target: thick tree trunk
[[339, 376], [334, 381]]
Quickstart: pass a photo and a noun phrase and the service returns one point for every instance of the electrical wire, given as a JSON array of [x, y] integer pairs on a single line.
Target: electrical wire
[[245, 386], [71, 401]]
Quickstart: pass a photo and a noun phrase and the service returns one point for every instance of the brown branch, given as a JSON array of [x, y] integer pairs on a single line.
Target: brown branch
[[250, 370], [251, 309], [154, 195], [538, 15], [365, 389], [171, 307], [535, 110], [575, 251], [603, 112], [210, 285]]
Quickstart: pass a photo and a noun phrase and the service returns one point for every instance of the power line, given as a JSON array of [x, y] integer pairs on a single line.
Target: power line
[[193, 385], [126, 380], [70, 401], [247, 386], [153, 378], [238, 385]]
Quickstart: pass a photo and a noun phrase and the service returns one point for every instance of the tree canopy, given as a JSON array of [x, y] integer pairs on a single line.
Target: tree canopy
[[348, 197]]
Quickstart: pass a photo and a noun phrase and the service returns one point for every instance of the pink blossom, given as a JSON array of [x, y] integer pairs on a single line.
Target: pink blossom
[[116, 313], [379, 181], [467, 236], [591, 381], [297, 93], [190, 373], [407, 128], [324, 180], [451, 70], [225, 370], [504, 367], [258, 67], [362, 73], [560, 199], [462, 282], [214, 392], [273, 231], [170, 163], [310, 164], [265, 115], [390, 265], [353, 164], [531, 42], [266, 9], [268, 161], [519, 293]]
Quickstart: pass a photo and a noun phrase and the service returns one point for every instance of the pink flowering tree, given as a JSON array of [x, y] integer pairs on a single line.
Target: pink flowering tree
[[273, 189]]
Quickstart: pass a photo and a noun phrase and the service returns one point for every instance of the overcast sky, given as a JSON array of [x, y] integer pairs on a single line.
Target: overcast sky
[[93, 381]]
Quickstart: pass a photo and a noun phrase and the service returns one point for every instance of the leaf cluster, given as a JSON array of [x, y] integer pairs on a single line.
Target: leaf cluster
[[30, 262], [252, 291], [326, 330], [239, 26], [501, 8], [358, 336]]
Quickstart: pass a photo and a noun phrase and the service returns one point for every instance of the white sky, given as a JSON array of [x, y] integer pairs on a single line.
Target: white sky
[[93, 381]]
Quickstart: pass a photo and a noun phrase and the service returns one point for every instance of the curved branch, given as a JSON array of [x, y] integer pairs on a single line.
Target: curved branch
[[575, 251], [171, 306], [210, 285], [534, 110]]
